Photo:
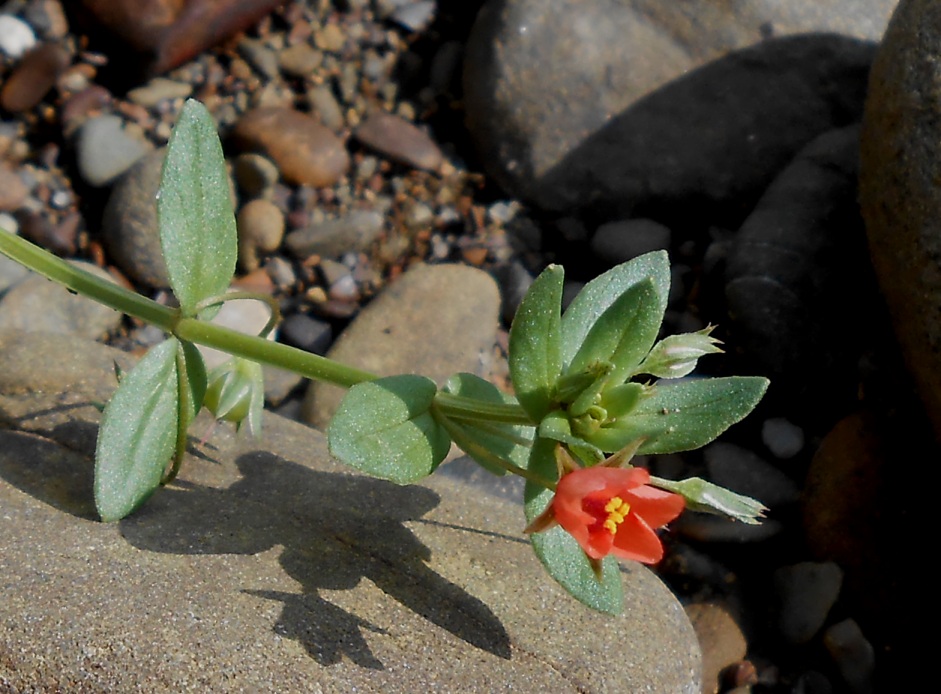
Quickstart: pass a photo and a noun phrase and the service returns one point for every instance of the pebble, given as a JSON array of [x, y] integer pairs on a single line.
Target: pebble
[[12, 189], [351, 232], [620, 241], [853, 654], [434, 319], [105, 149], [307, 333], [399, 140], [325, 105], [16, 36], [898, 191], [306, 152], [129, 224], [514, 280], [35, 304], [159, 89], [720, 638], [300, 60], [47, 18], [783, 438], [58, 238], [256, 175], [260, 230], [743, 471], [33, 77], [260, 57], [414, 16], [806, 592]]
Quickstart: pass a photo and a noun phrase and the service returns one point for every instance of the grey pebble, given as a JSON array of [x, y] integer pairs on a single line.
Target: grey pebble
[[853, 654], [325, 105], [105, 150], [744, 472], [806, 592], [414, 16], [255, 174], [159, 89], [352, 232], [16, 36], [307, 333], [783, 438], [514, 281], [300, 60], [260, 57]]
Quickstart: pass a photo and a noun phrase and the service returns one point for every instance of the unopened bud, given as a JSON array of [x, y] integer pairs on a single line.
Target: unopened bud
[[236, 393], [676, 356]]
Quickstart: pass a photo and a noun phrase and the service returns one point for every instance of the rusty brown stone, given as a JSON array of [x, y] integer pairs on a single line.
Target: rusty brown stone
[[33, 77], [306, 152]]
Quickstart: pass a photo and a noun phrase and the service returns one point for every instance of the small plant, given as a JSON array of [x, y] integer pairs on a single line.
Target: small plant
[[592, 389]]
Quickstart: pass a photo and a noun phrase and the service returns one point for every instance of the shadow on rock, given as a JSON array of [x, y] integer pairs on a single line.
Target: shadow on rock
[[336, 530]]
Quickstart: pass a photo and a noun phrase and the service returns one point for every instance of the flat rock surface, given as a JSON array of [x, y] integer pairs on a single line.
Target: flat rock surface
[[266, 567]]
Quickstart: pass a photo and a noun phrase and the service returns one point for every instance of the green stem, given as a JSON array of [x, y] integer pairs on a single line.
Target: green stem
[[274, 308], [459, 407], [85, 283]]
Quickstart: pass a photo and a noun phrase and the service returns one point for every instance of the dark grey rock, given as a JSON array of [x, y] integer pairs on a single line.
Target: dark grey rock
[[622, 240], [307, 333], [806, 592]]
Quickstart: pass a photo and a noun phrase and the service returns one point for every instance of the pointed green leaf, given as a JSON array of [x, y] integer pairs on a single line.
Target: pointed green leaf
[[559, 552], [598, 295], [384, 428], [624, 333], [138, 434], [683, 415], [194, 210], [481, 439], [534, 357]]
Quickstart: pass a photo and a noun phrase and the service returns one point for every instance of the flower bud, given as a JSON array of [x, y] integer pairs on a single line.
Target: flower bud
[[707, 497], [236, 393], [676, 356]]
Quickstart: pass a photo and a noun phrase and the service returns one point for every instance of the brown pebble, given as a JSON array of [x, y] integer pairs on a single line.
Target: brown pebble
[[33, 77], [79, 107], [38, 229], [305, 151], [12, 190], [399, 140]]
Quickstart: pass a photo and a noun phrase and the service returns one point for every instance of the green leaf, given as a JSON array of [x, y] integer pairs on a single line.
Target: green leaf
[[138, 433], [560, 553], [194, 210], [507, 441], [683, 415], [534, 357], [384, 428], [624, 333], [598, 295]]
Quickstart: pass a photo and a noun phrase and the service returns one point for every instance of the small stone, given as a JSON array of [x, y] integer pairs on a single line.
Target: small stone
[[255, 174], [620, 241], [414, 16], [48, 19], [159, 89], [720, 638], [853, 654], [305, 151], [260, 57], [16, 36], [105, 150], [33, 77], [514, 280], [260, 229], [300, 60], [324, 104], [36, 304], [352, 232], [330, 38], [744, 472], [783, 439], [12, 189], [307, 333], [806, 592], [129, 224], [399, 140]]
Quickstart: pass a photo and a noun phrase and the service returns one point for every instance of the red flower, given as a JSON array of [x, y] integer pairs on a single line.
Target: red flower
[[612, 511]]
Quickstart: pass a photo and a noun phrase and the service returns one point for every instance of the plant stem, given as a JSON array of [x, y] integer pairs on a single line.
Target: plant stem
[[458, 407]]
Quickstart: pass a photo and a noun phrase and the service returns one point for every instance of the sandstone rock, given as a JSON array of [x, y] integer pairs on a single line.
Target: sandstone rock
[[899, 193], [435, 320], [269, 568]]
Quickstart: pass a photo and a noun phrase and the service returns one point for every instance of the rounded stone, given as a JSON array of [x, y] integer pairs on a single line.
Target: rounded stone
[[129, 225], [899, 194], [305, 151], [399, 140], [549, 91], [16, 36], [435, 320], [33, 77], [260, 230], [104, 150]]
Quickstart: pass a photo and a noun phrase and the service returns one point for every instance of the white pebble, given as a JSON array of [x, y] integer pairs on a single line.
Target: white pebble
[[16, 36]]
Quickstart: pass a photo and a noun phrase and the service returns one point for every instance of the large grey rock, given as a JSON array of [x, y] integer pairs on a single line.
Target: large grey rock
[[563, 123], [899, 193], [267, 567], [435, 320]]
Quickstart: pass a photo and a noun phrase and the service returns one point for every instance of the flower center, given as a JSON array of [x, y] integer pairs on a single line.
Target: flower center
[[617, 510]]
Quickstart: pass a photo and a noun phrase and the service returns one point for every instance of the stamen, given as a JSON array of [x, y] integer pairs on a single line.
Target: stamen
[[617, 510]]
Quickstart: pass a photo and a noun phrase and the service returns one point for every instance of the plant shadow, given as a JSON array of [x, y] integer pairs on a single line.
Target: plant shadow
[[335, 530]]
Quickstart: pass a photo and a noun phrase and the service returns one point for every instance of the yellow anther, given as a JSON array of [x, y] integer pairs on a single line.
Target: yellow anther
[[617, 510]]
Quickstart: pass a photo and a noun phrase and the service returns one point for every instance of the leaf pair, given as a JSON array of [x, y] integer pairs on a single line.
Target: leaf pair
[[144, 425]]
